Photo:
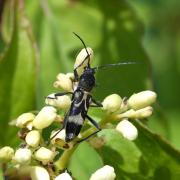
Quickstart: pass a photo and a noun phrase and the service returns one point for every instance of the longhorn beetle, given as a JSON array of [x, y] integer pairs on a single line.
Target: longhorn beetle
[[82, 99]]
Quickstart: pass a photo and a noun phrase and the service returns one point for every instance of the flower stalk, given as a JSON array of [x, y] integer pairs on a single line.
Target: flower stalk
[[63, 161]]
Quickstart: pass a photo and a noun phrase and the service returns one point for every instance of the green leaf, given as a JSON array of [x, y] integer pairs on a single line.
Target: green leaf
[[174, 125], [120, 153], [7, 21], [84, 162], [162, 158], [18, 75], [1, 175], [148, 157]]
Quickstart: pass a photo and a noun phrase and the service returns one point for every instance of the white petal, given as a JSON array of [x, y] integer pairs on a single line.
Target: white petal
[[45, 117], [112, 103], [63, 81], [44, 155], [39, 173], [104, 173], [33, 138], [81, 57], [127, 129], [22, 156], [63, 176], [61, 102], [24, 119], [61, 135], [6, 154], [142, 99]]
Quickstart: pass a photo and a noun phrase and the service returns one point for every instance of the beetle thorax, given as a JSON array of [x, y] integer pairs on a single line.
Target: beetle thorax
[[87, 80]]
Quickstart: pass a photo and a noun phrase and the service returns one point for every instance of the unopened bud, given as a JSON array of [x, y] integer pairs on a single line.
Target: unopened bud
[[143, 113], [112, 103], [45, 117], [64, 176], [142, 99], [139, 114], [39, 173], [6, 154], [104, 173], [33, 138], [22, 156], [127, 129], [24, 119], [70, 76], [64, 82], [58, 139], [44, 155], [61, 102], [80, 59], [29, 126], [58, 135]]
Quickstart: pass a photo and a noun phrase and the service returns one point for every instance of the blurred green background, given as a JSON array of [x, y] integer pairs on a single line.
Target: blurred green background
[[37, 43], [161, 41]]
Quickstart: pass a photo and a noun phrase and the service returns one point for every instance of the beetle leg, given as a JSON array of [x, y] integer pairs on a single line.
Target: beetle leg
[[76, 77], [88, 136], [95, 124], [57, 133], [96, 103], [59, 94]]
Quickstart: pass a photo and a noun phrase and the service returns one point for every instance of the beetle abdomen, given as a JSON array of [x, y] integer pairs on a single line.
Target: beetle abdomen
[[73, 126]]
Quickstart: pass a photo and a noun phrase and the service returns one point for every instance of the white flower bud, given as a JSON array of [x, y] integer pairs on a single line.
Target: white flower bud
[[44, 155], [61, 102], [63, 176], [81, 57], [29, 126], [70, 75], [45, 117], [24, 119], [22, 156], [127, 129], [58, 140], [39, 173], [142, 99], [128, 114], [143, 113], [139, 114], [33, 138], [104, 173], [6, 154], [64, 81], [59, 135], [112, 103]]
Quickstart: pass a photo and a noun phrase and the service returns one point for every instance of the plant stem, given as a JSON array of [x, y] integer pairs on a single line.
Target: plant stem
[[63, 161]]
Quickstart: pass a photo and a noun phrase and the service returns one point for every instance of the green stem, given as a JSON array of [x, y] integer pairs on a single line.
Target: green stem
[[63, 161]]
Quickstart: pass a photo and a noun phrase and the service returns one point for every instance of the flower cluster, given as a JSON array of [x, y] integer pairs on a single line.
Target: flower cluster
[[123, 110], [36, 158]]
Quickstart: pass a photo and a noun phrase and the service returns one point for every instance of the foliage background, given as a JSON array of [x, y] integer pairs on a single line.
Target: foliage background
[[37, 43]]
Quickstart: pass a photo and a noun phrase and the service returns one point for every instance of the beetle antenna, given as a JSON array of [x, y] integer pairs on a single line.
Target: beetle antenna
[[115, 64], [88, 55]]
